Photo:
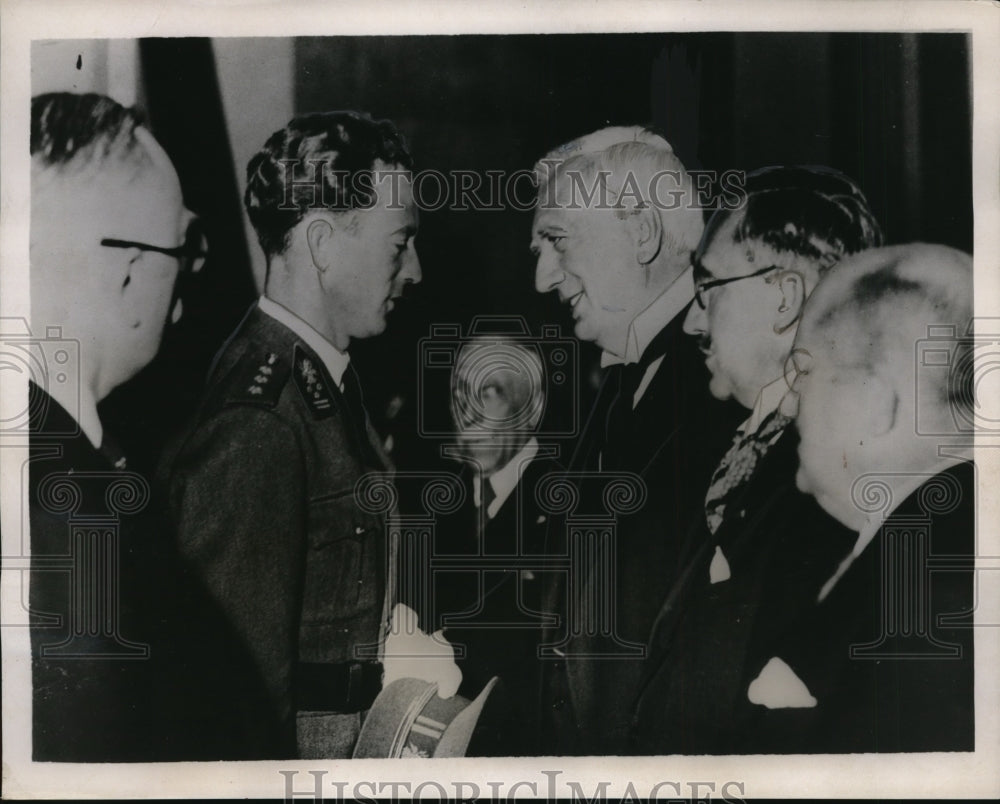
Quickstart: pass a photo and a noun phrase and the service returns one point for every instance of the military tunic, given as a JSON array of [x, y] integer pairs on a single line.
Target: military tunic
[[262, 490]]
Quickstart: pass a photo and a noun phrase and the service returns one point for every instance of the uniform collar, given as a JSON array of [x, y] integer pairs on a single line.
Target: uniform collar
[[648, 324], [335, 361], [505, 480]]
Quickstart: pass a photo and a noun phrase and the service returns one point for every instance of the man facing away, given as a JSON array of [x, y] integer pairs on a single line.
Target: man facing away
[[613, 232], [881, 658], [753, 271], [263, 487], [130, 660]]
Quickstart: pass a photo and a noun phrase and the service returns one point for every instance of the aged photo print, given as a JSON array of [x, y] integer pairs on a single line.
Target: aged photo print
[[593, 401]]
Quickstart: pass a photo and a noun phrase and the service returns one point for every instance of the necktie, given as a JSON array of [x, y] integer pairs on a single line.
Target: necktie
[[738, 464], [359, 416], [487, 495], [621, 415]]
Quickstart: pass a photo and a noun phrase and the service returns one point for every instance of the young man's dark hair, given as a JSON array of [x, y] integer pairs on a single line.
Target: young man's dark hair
[[317, 159]]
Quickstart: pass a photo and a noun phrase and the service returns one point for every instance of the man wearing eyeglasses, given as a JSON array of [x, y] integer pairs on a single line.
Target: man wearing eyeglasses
[[753, 271], [130, 660], [614, 228]]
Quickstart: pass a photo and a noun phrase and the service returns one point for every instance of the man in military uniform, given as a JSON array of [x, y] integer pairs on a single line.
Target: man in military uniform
[[262, 487]]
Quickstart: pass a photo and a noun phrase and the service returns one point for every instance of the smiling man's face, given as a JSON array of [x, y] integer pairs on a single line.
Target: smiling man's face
[[588, 256], [735, 328]]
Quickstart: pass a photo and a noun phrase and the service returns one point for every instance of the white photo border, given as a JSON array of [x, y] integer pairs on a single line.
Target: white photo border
[[883, 776]]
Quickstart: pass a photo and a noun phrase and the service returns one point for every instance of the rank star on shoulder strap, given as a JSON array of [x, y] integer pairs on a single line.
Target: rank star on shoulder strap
[[260, 378], [313, 383]]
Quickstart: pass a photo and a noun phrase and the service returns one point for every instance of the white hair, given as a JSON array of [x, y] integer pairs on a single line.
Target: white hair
[[634, 160]]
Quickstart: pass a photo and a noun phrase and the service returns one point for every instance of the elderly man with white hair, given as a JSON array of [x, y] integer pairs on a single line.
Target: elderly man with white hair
[[616, 223]]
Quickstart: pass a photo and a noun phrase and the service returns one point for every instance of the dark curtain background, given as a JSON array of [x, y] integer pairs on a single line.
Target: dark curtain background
[[891, 110]]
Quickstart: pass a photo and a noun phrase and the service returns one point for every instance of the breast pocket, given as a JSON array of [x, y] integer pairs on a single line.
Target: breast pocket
[[343, 564]]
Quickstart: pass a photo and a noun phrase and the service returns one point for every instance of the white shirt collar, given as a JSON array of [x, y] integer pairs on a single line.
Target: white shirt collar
[[89, 421], [768, 400], [645, 326], [505, 479], [335, 361]]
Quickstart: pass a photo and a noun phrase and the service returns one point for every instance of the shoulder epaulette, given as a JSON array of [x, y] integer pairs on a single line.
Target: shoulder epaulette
[[259, 378]]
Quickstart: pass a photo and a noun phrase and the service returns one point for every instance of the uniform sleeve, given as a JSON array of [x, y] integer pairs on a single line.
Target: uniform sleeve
[[238, 497]]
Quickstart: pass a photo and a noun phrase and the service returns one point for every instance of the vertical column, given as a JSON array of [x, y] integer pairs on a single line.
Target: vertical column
[[592, 578], [906, 620], [94, 562], [409, 539]]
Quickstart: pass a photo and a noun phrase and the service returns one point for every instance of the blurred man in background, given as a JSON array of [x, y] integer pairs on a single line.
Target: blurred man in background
[[498, 400], [753, 271], [614, 229], [881, 659], [130, 661]]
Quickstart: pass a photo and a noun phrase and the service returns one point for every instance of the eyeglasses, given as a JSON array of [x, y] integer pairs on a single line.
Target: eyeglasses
[[191, 254], [701, 290]]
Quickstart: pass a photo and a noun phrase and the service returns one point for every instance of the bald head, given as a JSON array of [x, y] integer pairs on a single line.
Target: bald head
[[873, 309], [859, 388]]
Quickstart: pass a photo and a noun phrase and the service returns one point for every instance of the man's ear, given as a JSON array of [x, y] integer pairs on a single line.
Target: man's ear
[[121, 282], [647, 230], [880, 406], [319, 235], [793, 296]]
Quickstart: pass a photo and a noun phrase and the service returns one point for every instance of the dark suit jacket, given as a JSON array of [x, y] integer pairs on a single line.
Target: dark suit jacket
[[673, 440], [912, 687], [173, 683], [771, 535], [503, 627], [263, 493]]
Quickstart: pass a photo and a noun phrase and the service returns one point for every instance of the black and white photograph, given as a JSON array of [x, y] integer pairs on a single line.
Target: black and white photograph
[[596, 401]]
